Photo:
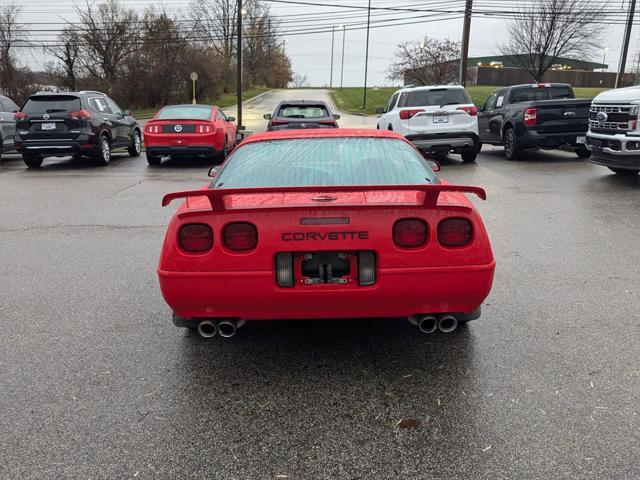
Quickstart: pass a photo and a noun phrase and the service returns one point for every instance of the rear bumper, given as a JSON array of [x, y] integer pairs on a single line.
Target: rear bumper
[[183, 150], [398, 292], [532, 139], [441, 142], [84, 144]]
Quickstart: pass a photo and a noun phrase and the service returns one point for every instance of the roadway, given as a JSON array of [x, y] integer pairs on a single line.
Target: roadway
[[97, 383]]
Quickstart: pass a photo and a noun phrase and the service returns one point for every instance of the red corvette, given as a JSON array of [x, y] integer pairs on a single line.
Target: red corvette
[[189, 131], [313, 224]]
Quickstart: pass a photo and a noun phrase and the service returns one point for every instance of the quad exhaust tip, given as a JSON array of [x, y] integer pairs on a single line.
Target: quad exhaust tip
[[427, 323], [207, 329], [227, 328], [447, 323], [431, 323]]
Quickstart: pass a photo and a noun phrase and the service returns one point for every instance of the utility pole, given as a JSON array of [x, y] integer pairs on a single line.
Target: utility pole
[[466, 30], [333, 34], [344, 33], [366, 57], [239, 66], [625, 45]]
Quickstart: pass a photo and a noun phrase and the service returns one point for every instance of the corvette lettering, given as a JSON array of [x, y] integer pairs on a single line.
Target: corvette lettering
[[302, 236]]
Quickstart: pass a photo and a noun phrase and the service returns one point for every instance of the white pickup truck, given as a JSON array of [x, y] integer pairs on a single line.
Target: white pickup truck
[[614, 130]]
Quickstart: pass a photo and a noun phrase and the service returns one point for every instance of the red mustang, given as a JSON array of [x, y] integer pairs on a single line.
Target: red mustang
[[189, 131], [313, 224]]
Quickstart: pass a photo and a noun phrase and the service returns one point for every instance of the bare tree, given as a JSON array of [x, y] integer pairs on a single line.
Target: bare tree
[[299, 81], [429, 62], [108, 35], [14, 80], [67, 54], [546, 30], [215, 23]]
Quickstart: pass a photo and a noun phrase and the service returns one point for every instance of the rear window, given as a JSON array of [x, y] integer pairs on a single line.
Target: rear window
[[303, 111], [44, 104], [185, 113], [325, 161], [437, 96], [530, 94]]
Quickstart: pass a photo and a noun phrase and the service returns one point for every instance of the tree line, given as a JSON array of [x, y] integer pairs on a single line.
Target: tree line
[[144, 60]]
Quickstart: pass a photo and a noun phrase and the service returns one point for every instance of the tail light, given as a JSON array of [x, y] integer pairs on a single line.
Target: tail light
[[472, 110], [278, 122], [455, 232], [410, 233], [152, 129], [542, 85], [80, 115], [20, 116], [196, 237], [240, 236], [531, 117], [407, 114], [328, 122], [205, 129]]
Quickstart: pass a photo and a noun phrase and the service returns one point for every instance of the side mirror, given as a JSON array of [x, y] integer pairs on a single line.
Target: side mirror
[[127, 113], [231, 119], [381, 110], [267, 116], [435, 166], [336, 116], [213, 171]]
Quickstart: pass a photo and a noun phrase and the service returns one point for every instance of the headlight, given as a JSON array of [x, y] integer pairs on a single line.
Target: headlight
[[634, 110]]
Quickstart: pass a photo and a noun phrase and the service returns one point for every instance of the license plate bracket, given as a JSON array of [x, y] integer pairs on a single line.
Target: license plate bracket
[[439, 118], [326, 268], [581, 140]]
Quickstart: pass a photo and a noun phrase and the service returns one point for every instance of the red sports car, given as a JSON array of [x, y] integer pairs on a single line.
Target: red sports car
[[189, 131], [331, 223]]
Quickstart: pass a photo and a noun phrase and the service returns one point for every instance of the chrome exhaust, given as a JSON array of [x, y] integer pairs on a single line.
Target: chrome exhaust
[[427, 323], [207, 329], [227, 328], [447, 323]]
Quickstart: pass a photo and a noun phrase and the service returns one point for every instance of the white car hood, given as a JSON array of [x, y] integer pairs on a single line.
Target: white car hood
[[619, 95]]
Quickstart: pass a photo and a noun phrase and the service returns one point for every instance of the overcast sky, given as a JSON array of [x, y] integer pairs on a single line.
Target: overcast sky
[[311, 53]]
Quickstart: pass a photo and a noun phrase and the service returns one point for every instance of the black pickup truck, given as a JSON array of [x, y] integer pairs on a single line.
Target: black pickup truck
[[540, 115]]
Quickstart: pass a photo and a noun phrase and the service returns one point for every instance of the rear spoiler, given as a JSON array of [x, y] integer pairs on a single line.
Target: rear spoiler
[[216, 196]]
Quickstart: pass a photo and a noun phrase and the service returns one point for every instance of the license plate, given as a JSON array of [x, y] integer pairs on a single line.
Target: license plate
[[441, 118], [48, 126], [581, 140]]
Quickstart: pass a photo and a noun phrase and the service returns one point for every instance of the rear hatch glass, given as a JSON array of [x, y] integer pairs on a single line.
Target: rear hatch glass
[[303, 116], [185, 113], [434, 97], [529, 94], [48, 116]]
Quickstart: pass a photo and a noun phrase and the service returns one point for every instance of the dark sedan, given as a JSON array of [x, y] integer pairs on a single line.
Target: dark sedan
[[301, 114]]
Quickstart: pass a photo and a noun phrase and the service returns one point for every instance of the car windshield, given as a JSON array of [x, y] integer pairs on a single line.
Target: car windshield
[[325, 161], [44, 104], [436, 96], [186, 112], [530, 94], [303, 111]]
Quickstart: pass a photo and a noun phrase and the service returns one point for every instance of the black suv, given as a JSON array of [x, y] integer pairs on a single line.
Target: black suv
[[82, 124], [301, 114]]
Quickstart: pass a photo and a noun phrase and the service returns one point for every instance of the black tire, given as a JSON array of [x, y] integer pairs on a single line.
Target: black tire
[[623, 171], [583, 152], [479, 148], [222, 155], [469, 156], [103, 157], [154, 159], [511, 149], [32, 161], [135, 149]]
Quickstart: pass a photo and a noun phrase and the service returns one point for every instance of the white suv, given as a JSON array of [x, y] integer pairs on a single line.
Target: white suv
[[437, 119]]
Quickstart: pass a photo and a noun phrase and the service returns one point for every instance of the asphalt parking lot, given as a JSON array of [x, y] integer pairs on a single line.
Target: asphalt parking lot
[[97, 383]]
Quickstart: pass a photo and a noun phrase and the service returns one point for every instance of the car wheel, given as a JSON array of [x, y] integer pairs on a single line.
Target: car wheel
[[136, 145], [511, 148], [153, 159], [223, 153], [32, 161], [103, 157], [479, 147], [469, 156], [623, 171], [583, 152]]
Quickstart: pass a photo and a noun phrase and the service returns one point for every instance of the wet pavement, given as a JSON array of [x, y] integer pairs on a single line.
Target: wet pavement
[[97, 383]]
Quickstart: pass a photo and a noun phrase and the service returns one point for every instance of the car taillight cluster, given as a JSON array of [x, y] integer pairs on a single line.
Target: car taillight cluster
[[204, 129], [20, 116], [531, 117], [152, 129], [80, 115], [198, 237], [472, 110], [407, 114], [414, 233]]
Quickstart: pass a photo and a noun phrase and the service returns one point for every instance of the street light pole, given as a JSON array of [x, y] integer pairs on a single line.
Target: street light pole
[[366, 57], [333, 34], [344, 33], [239, 66]]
